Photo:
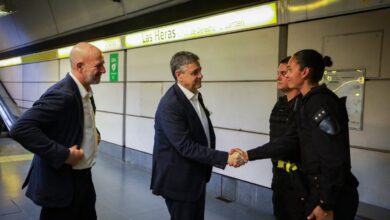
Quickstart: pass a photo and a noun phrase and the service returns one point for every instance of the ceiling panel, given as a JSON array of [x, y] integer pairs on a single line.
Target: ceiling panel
[[132, 6], [137, 7], [78, 13], [8, 35], [33, 20]]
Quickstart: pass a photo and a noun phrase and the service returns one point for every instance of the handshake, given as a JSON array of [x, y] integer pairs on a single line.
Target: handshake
[[237, 157]]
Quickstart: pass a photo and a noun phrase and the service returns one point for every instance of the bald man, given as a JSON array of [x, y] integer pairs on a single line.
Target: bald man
[[60, 130]]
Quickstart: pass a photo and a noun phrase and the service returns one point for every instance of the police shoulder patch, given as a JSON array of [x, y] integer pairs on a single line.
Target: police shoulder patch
[[326, 122]]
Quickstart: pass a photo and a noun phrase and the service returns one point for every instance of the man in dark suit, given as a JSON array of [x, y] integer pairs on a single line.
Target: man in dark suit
[[184, 143], [60, 130]]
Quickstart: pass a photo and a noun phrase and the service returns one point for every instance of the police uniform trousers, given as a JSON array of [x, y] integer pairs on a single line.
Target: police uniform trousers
[[82, 206], [286, 197], [184, 210]]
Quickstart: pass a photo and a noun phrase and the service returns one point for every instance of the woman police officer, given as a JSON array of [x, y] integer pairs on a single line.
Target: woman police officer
[[321, 134]]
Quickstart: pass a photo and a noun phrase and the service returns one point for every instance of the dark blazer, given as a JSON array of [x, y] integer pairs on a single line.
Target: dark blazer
[[182, 161], [53, 124]]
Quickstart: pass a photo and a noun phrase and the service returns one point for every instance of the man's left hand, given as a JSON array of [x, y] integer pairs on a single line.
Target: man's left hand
[[319, 214]]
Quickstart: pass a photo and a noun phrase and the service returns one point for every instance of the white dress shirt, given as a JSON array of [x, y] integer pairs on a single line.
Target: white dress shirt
[[193, 98], [90, 137]]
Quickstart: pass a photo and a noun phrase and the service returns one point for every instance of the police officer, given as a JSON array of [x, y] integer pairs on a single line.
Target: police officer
[[320, 131], [285, 199]]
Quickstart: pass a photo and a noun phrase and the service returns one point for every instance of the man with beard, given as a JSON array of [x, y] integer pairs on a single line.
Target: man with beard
[[60, 130]]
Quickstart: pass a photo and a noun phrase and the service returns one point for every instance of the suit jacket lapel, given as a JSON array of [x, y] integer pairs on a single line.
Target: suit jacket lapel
[[186, 104], [194, 115]]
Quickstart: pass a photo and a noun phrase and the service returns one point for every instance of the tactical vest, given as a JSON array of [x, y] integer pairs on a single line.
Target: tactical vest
[[281, 117]]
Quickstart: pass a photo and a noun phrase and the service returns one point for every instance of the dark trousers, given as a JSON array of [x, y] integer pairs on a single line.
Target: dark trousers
[[286, 197], [82, 206], [347, 204], [182, 210], [345, 207]]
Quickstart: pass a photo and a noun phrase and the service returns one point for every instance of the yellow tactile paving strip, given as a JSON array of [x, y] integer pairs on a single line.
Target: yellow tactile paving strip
[[14, 158]]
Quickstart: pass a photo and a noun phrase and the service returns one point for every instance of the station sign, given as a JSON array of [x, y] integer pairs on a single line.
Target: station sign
[[238, 20]]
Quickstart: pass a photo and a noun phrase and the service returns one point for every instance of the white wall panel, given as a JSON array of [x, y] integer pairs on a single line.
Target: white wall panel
[[166, 86], [30, 92], [64, 67], [144, 64], [11, 73], [142, 98], [41, 72], [251, 55], [373, 172], [110, 127], [48, 71], [376, 117], [140, 133], [313, 34], [14, 89], [31, 72], [42, 87], [248, 55], [240, 105], [109, 97], [26, 104], [11, 77], [259, 171], [359, 48]]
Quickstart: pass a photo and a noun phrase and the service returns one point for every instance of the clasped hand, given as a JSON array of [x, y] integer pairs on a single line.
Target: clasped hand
[[75, 155], [237, 157]]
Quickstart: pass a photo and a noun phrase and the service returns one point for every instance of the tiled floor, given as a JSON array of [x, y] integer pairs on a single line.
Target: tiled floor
[[122, 192]]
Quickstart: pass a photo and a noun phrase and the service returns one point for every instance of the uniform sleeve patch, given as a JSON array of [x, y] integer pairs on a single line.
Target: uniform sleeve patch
[[319, 115], [327, 123]]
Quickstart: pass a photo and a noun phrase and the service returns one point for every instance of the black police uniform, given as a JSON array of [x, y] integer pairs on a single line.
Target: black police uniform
[[321, 132], [286, 200]]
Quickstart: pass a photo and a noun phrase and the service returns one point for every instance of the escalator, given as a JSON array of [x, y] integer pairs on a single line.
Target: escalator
[[9, 111]]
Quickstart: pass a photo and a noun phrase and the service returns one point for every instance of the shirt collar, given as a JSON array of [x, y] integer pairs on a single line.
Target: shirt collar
[[83, 92], [190, 95]]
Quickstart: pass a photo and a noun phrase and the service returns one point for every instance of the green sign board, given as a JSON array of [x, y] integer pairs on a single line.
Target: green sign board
[[114, 67]]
